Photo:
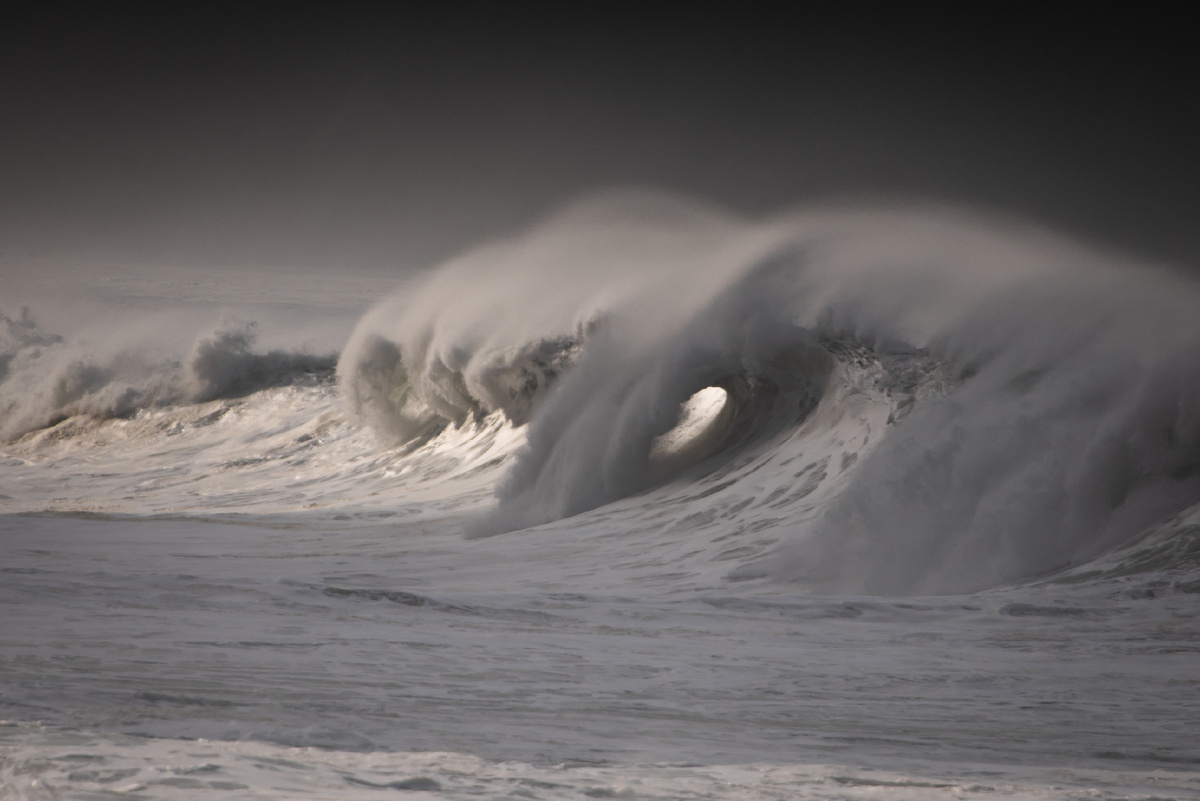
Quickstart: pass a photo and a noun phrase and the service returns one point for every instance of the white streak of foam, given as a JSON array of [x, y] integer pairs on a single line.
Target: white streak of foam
[[44, 763]]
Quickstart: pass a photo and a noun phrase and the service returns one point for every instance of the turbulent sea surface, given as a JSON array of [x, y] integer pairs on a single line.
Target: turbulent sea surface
[[644, 502]]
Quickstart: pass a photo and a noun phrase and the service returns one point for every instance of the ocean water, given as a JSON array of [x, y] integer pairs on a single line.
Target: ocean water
[[646, 501]]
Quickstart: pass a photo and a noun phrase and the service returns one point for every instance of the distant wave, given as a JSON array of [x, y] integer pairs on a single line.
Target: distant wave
[[45, 379], [1044, 397]]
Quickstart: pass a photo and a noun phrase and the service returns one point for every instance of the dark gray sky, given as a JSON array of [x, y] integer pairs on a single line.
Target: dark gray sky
[[307, 139]]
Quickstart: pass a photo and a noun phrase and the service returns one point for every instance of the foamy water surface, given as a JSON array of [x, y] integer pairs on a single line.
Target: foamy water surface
[[645, 502]]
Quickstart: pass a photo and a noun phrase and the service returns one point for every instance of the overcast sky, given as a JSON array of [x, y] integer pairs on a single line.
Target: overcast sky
[[307, 140]]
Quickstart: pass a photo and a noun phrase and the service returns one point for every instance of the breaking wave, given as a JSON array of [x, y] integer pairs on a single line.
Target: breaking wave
[[1042, 397], [46, 379], [885, 399], [631, 486]]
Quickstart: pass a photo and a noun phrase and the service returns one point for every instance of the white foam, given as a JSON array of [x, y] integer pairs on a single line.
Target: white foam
[[43, 763]]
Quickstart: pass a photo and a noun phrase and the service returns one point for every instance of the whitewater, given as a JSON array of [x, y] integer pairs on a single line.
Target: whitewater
[[647, 500]]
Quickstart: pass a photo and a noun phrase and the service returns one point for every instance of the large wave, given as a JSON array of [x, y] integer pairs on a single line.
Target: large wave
[[882, 399], [1044, 395]]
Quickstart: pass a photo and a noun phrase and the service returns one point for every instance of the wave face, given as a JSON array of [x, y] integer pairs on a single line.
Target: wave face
[[1042, 398]]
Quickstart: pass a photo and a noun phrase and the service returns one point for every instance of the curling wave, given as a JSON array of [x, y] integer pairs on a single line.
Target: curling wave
[[1041, 398]]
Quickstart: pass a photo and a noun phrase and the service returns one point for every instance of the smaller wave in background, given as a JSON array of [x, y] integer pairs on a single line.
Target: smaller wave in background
[[46, 379]]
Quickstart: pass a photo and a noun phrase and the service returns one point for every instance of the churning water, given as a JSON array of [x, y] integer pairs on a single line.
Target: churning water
[[646, 501]]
